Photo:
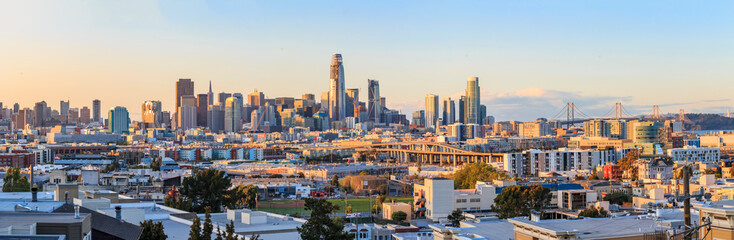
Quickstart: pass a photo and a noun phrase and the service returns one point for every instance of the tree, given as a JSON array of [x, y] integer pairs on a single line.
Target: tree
[[156, 164], [456, 217], [678, 174], [320, 226], [335, 180], [593, 212], [627, 164], [206, 231], [244, 196], [199, 233], [363, 173], [618, 198], [381, 199], [195, 231], [111, 168], [14, 182], [519, 200], [152, 231], [207, 188], [399, 216], [468, 175]]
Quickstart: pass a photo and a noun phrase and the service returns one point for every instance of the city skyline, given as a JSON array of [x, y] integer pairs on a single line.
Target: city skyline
[[642, 54]]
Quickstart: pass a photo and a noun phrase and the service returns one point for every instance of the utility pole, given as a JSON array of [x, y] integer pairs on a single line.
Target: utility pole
[[686, 202]]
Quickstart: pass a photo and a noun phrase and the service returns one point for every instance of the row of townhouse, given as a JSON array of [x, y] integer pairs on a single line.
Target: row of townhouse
[[533, 162]]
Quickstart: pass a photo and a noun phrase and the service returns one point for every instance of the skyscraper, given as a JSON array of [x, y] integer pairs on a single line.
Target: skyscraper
[[256, 99], [152, 114], [215, 118], [96, 110], [16, 107], [352, 102], [473, 101], [64, 108], [184, 86], [462, 109], [448, 112], [40, 110], [324, 102], [222, 97], [374, 107], [202, 105], [336, 89], [210, 94], [186, 117], [84, 115], [233, 115], [118, 120], [431, 112]]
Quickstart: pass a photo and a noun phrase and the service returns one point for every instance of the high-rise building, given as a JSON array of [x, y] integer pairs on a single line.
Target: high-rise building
[[374, 107], [184, 87], [152, 114], [462, 109], [324, 102], [222, 97], [473, 101], [352, 102], [73, 116], [431, 111], [16, 107], [308, 96], [215, 118], [186, 117], [286, 102], [419, 118], [118, 120], [232, 115], [85, 115], [210, 95], [256, 99], [64, 108], [337, 101], [25, 117], [40, 110], [97, 110], [202, 105], [448, 112]]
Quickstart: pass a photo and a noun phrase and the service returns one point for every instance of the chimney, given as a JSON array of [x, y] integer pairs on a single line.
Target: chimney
[[118, 213], [66, 197], [34, 194], [76, 212]]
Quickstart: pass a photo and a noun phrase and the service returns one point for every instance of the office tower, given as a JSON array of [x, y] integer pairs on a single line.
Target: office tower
[[151, 114], [16, 107], [222, 98], [256, 99], [336, 89], [166, 119], [462, 109], [374, 108], [25, 117], [186, 117], [215, 118], [482, 113], [210, 95], [84, 115], [40, 110], [431, 112], [118, 120], [472, 101], [286, 102], [419, 118], [352, 102], [233, 115], [64, 108], [184, 87], [324, 102], [202, 105], [308, 96], [448, 112], [97, 110], [73, 116]]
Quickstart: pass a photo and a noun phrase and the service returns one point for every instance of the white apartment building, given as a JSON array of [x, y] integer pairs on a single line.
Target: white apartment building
[[532, 162], [695, 154], [436, 198]]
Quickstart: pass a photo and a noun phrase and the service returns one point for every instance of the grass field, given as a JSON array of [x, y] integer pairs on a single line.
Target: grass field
[[295, 207]]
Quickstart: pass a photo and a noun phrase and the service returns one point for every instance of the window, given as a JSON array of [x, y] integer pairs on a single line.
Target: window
[[474, 200]]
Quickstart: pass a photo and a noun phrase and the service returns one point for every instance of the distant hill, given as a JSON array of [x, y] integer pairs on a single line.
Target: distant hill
[[708, 121]]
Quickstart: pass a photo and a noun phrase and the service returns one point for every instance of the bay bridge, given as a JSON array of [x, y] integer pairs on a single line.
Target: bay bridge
[[567, 116]]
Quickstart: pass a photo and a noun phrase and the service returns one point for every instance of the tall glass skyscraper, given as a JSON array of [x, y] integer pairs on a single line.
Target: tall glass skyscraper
[[337, 111], [448, 112], [431, 110], [118, 120], [233, 114], [472, 101], [96, 110], [374, 106]]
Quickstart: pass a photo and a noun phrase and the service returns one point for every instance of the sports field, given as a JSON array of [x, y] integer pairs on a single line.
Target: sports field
[[293, 207]]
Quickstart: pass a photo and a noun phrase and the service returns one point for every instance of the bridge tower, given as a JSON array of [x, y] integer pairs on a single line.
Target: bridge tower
[[655, 112], [618, 110], [569, 115]]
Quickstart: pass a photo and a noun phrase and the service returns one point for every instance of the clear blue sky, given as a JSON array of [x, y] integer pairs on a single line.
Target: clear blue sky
[[531, 56]]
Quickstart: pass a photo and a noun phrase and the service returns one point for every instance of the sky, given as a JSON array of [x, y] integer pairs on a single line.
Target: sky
[[531, 56]]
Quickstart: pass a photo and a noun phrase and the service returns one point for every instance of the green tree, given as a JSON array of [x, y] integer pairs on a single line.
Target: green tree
[[467, 176], [111, 168], [678, 174], [519, 200], [399, 216], [206, 231], [593, 212], [320, 226], [14, 182], [335, 180], [627, 164], [156, 164], [195, 231], [206, 188], [617, 198], [199, 233], [456, 217], [244, 196], [363, 173], [152, 231]]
